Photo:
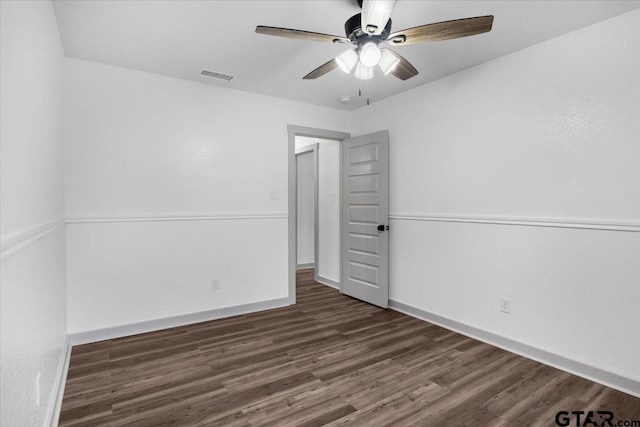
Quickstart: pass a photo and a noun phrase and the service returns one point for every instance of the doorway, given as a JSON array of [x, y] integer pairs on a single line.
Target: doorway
[[307, 204], [361, 241], [311, 136], [318, 208]]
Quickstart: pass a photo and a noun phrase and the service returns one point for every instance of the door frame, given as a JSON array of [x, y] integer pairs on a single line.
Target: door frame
[[294, 131], [313, 149]]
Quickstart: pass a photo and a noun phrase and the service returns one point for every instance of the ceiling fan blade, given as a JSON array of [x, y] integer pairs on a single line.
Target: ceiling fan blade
[[404, 70], [300, 34], [322, 70], [375, 15], [445, 30]]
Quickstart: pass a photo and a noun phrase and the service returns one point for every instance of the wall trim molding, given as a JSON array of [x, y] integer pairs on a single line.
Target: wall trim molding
[[592, 373], [20, 239], [328, 282], [587, 224], [211, 216], [87, 337], [55, 406]]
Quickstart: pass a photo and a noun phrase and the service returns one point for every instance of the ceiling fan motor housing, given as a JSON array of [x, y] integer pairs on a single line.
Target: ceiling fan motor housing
[[353, 30]]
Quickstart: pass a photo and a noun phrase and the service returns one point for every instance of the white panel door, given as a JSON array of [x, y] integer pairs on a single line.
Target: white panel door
[[365, 215]]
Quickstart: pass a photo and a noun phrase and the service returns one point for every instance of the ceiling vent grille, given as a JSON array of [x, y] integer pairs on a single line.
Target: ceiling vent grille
[[214, 75]]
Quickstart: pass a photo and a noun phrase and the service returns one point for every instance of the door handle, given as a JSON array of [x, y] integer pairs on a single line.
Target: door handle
[[383, 227]]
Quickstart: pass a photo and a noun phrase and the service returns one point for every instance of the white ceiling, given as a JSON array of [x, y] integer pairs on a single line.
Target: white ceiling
[[180, 38]]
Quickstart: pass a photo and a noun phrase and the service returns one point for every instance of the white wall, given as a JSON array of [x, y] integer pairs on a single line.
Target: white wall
[[547, 133], [329, 210], [140, 145], [305, 182], [32, 285]]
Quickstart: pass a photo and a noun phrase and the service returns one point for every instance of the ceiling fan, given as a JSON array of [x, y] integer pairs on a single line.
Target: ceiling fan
[[368, 30]]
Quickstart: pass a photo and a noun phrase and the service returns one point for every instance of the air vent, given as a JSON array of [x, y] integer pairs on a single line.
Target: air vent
[[215, 75]]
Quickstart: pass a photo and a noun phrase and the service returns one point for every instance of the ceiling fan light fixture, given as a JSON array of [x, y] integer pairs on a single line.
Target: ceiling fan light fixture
[[363, 72], [375, 15], [347, 60], [372, 28], [388, 62], [370, 54]]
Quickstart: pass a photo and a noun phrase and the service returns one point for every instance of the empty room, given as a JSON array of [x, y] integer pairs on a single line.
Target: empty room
[[327, 212]]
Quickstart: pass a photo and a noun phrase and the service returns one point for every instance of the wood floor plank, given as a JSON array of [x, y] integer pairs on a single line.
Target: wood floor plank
[[328, 360], [307, 411]]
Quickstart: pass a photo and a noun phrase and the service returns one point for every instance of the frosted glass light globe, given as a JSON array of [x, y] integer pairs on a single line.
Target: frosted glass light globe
[[388, 61], [370, 54], [347, 60]]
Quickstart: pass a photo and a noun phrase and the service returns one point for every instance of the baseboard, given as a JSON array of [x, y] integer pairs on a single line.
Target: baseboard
[[305, 266], [592, 373], [55, 406], [329, 282], [175, 321]]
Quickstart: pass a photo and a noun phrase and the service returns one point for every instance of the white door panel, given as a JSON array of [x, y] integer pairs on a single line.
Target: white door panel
[[364, 214], [365, 193]]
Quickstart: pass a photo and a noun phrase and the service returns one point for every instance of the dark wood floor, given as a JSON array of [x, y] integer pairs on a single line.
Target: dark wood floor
[[329, 360]]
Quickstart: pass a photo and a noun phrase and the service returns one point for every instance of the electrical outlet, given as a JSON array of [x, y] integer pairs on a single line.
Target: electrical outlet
[[274, 195], [215, 284], [505, 305]]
